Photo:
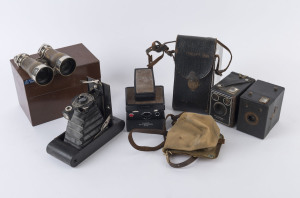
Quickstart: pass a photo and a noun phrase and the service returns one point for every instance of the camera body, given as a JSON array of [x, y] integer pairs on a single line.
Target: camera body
[[88, 114], [90, 125], [145, 103], [224, 97], [259, 108]]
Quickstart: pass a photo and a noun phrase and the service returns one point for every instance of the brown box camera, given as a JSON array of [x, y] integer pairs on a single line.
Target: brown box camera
[[45, 103]]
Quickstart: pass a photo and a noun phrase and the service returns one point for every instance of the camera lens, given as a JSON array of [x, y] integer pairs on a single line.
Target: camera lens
[[67, 66], [215, 97], [251, 118], [227, 101], [220, 109], [44, 76], [82, 99]]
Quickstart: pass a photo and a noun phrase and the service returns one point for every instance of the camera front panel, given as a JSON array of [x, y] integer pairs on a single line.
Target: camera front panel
[[221, 107], [146, 114], [252, 118], [145, 118]]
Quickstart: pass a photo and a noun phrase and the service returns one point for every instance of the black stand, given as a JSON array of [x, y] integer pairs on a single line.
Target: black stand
[[73, 156]]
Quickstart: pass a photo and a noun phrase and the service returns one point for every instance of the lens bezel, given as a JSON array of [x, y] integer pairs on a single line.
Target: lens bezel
[[218, 111]]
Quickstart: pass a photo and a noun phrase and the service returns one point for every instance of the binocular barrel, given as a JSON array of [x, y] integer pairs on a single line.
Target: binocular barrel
[[61, 62], [39, 72]]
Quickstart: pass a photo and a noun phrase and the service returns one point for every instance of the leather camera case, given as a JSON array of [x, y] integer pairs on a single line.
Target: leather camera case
[[194, 73]]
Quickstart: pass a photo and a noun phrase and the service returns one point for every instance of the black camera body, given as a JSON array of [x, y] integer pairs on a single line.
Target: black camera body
[[145, 103], [259, 108], [90, 125], [224, 97], [88, 114]]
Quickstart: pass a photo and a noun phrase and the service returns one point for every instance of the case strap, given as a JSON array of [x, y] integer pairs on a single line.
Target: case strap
[[181, 164], [151, 131], [217, 70], [190, 160], [148, 131], [158, 47], [241, 80]]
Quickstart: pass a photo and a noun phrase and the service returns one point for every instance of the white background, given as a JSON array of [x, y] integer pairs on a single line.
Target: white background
[[264, 39]]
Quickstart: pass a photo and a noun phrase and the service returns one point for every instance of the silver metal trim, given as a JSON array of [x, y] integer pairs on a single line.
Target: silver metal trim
[[36, 71], [232, 90], [42, 50], [264, 100], [20, 58]]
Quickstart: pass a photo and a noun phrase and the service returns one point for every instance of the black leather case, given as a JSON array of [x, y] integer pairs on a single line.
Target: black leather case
[[194, 73], [259, 108]]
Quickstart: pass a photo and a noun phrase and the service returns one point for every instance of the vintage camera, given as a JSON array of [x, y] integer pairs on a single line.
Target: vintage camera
[[43, 69], [224, 97], [90, 125], [259, 108], [145, 103], [41, 73]]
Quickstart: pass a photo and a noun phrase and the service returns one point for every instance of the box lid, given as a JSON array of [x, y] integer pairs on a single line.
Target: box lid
[[263, 92]]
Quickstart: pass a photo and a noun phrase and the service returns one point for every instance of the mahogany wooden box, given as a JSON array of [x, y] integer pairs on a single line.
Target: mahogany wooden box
[[45, 103]]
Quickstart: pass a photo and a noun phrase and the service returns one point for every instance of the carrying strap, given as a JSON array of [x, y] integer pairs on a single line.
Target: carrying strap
[[243, 79], [152, 131], [217, 70], [181, 164], [148, 131], [158, 47]]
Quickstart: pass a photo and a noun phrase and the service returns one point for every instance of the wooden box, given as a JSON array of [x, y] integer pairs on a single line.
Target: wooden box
[[45, 103]]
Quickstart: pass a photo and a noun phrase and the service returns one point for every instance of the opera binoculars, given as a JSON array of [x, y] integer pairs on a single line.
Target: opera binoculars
[[37, 71], [59, 61]]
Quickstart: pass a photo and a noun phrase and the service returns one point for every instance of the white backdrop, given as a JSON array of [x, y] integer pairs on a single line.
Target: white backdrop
[[264, 39]]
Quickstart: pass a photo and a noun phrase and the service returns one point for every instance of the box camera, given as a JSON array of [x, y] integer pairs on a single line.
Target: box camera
[[90, 125], [259, 108], [145, 103], [224, 97]]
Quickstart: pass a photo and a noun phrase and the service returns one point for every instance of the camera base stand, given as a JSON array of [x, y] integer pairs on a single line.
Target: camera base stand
[[73, 156]]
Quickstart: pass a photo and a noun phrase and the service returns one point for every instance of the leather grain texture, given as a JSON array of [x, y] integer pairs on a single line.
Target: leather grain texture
[[194, 73]]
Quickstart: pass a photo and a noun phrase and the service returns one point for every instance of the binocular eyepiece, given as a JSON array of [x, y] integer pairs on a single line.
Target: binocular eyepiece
[[37, 71], [59, 61], [42, 70]]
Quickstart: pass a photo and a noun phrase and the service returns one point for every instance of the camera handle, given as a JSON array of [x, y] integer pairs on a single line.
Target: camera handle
[[158, 47], [162, 132]]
